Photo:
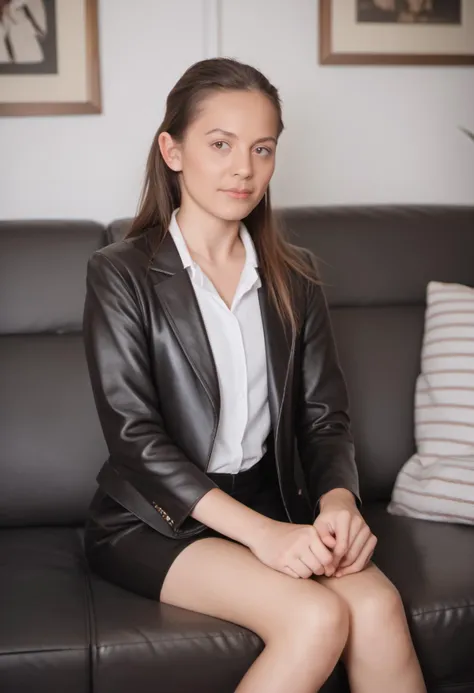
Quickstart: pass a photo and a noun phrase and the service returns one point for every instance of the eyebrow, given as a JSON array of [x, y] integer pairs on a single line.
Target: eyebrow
[[232, 134]]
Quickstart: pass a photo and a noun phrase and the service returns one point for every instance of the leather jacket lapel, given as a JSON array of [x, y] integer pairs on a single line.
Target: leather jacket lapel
[[180, 304], [179, 301], [279, 346]]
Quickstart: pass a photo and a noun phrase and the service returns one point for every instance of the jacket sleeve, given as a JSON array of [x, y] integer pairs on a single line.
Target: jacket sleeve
[[126, 399], [324, 437]]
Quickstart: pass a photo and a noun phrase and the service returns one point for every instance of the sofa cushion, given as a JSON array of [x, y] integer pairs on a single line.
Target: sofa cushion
[[42, 273], [52, 444], [432, 566], [437, 482], [384, 255], [146, 645], [64, 628], [379, 350], [45, 619]]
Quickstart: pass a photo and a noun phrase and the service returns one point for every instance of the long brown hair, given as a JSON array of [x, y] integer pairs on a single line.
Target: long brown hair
[[161, 190]]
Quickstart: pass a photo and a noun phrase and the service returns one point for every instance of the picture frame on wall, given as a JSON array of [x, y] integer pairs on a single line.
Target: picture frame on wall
[[49, 57], [396, 32]]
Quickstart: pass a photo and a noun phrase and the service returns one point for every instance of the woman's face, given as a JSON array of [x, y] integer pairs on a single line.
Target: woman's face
[[227, 156]]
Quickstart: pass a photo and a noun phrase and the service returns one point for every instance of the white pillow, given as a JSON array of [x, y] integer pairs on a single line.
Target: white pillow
[[438, 482]]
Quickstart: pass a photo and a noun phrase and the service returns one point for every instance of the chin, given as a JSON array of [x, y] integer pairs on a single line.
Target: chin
[[234, 210]]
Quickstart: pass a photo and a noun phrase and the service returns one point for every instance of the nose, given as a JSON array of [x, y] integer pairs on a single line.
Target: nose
[[242, 163]]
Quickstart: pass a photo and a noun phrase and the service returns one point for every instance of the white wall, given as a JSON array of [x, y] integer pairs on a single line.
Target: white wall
[[353, 134]]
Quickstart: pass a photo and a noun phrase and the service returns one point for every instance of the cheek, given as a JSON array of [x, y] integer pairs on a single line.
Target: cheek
[[266, 171], [203, 166]]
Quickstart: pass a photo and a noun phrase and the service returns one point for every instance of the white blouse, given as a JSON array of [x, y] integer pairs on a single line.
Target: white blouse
[[238, 344]]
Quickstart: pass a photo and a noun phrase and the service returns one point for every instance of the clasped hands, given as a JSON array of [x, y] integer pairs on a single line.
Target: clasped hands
[[343, 530]]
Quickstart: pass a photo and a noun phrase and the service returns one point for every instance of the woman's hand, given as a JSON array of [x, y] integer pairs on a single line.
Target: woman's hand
[[342, 528], [296, 550]]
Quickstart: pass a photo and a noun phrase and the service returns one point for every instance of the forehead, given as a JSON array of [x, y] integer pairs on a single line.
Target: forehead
[[241, 112]]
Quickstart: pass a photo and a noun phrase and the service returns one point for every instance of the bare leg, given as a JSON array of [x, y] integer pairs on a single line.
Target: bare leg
[[379, 655], [304, 625]]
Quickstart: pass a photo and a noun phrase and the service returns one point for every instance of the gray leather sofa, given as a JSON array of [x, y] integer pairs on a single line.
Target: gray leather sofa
[[63, 628]]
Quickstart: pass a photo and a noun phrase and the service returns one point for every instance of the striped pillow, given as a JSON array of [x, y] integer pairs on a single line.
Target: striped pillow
[[438, 482]]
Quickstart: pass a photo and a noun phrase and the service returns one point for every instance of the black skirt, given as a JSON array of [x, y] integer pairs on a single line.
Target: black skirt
[[124, 550]]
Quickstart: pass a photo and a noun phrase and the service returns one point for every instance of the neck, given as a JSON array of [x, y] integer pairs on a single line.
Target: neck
[[212, 239]]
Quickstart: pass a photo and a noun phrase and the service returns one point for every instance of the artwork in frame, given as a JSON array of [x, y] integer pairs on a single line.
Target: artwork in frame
[[396, 32], [49, 57]]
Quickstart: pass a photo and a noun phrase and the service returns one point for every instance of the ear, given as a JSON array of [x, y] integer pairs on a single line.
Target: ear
[[170, 151]]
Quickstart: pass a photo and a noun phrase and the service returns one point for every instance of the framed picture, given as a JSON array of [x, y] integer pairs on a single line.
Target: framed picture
[[49, 57], [396, 32]]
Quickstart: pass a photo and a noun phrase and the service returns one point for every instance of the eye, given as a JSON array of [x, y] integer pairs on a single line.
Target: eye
[[264, 151], [220, 145]]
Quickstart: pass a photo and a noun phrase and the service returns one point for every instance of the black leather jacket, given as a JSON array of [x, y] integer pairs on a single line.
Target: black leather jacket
[[157, 395]]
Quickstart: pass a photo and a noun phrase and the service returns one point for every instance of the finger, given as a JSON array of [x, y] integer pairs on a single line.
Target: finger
[[356, 548], [322, 553], [343, 522], [356, 545], [357, 525], [300, 568], [359, 564], [326, 534], [329, 570], [310, 560], [329, 540], [362, 559], [326, 559], [289, 571]]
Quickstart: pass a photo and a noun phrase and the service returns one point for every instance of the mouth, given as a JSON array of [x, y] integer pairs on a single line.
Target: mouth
[[238, 194]]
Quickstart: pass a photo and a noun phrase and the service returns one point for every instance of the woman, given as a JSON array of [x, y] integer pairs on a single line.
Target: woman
[[210, 353]]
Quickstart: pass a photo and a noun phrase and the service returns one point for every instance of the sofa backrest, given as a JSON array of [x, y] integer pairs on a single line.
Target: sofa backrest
[[50, 440], [375, 263]]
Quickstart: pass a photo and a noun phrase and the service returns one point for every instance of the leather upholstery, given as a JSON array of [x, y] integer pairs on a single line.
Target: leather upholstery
[[63, 628]]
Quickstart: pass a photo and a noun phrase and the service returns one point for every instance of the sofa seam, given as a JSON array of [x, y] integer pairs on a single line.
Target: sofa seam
[[442, 610], [251, 635], [90, 616], [41, 651]]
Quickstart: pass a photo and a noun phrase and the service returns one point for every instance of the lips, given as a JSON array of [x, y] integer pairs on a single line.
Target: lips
[[239, 194]]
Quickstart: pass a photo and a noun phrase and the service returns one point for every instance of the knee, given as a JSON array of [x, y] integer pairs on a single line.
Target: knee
[[323, 616], [379, 607]]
